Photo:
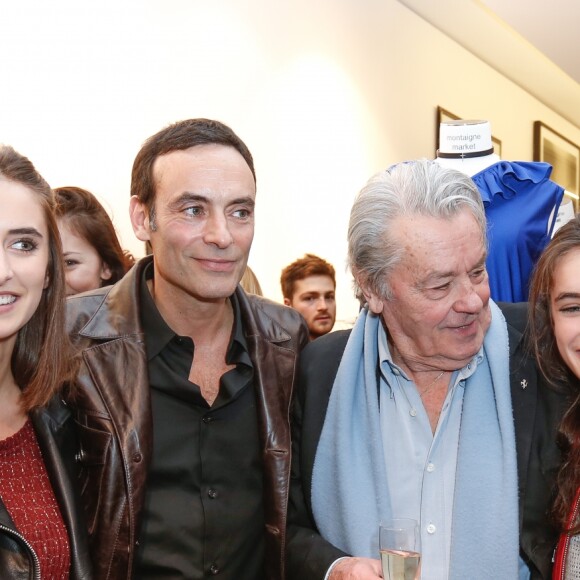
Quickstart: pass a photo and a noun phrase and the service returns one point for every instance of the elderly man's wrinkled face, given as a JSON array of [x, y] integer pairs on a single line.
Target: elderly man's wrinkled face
[[439, 311]]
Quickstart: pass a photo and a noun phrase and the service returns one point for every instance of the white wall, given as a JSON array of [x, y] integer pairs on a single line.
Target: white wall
[[324, 92]]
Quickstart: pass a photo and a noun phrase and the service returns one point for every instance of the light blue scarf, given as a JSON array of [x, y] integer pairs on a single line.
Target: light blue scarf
[[348, 495]]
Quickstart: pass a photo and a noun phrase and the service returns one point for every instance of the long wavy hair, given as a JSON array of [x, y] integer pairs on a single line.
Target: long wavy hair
[[41, 361], [553, 367], [84, 214]]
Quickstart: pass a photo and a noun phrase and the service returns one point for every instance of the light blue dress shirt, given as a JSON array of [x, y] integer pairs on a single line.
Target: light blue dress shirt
[[421, 464], [422, 484]]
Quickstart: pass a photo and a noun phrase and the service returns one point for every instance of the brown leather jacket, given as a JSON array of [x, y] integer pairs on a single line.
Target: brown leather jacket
[[113, 410]]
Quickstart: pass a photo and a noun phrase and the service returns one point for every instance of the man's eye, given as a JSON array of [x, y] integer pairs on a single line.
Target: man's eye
[[242, 213], [193, 211]]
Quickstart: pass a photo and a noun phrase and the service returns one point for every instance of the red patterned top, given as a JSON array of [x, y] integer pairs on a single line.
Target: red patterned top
[[27, 494]]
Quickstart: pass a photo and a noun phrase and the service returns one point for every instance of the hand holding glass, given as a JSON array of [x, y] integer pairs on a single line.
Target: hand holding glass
[[400, 549]]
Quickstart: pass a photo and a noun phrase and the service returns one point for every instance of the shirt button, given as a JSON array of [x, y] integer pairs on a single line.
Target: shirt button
[[207, 419], [214, 570], [431, 529], [212, 493], [430, 467], [413, 413]]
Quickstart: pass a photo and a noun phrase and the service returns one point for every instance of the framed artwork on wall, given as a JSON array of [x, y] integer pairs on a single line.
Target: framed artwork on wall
[[496, 146], [562, 154], [443, 116]]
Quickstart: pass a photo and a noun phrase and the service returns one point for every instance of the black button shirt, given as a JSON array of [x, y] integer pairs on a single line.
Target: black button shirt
[[203, 513]]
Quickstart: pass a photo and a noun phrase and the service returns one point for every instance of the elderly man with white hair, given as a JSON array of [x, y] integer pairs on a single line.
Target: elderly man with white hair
[[430, 408]]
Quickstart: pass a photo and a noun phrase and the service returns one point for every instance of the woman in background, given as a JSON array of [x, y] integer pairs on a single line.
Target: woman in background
[[42, 532], [555, 332], [249, 282], [92, 252]]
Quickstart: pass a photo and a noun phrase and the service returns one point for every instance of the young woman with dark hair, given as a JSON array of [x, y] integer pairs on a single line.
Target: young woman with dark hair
[[42, 533], [92, 252], [555, 334]]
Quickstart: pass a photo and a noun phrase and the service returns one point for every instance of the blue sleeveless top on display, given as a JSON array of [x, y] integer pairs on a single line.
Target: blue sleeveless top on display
[[521, 203]]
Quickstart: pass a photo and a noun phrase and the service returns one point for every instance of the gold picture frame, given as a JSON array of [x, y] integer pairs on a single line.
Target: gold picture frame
[[563, 155]]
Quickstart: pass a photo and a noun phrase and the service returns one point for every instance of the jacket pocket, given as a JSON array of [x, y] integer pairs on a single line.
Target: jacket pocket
[[93, 452]]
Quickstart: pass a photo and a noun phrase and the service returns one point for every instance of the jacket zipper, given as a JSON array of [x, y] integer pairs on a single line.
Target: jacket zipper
[[35, 560], [567, 543]]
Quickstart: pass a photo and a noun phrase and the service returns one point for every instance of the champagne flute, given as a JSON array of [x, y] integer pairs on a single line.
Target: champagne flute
[[400, 549]]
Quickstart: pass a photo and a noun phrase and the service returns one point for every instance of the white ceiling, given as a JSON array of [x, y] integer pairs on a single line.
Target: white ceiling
[[552, 27], [533, 42]]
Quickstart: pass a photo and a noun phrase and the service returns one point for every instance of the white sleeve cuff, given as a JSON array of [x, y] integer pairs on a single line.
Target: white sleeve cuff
[[332, 566]]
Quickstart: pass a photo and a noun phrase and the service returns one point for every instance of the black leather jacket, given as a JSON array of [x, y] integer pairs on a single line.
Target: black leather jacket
[[113, 411], [55, 432]]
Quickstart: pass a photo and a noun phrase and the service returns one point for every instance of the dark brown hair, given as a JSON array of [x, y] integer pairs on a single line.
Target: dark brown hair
[[553, 367], [178, 137], [83, 213], [310, 265], [41, 360]]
